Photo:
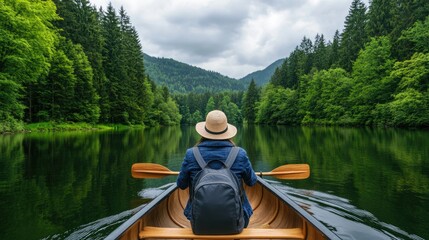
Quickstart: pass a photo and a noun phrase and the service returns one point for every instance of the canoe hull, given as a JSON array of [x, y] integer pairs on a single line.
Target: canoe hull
[[271, 210]]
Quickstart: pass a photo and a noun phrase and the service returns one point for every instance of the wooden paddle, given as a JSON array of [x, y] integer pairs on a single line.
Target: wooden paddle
[[287, 171]]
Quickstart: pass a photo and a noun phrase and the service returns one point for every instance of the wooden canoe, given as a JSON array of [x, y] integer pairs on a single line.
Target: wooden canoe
[[275, 217]]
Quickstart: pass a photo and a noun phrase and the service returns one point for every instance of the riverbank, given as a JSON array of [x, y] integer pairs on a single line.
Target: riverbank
[[59, 127]]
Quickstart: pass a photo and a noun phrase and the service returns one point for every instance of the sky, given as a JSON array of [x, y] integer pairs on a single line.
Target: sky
[[232, 37]]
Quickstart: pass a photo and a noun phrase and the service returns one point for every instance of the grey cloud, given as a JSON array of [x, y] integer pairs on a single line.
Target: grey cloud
[[231, 37]]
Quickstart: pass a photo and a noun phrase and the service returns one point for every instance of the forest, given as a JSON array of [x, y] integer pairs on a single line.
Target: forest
[[374, 73], [66, 61]]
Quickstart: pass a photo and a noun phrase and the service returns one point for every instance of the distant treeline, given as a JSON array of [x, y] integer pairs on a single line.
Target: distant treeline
[[65, 61]]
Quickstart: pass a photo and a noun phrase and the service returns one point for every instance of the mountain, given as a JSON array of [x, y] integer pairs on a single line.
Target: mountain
[[183, 78], [262, 77]]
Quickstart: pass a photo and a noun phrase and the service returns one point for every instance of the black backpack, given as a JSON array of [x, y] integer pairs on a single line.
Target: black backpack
[[216, 198]]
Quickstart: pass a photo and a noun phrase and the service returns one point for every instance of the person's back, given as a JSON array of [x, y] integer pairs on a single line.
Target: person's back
[[216, 145], [216, 198]]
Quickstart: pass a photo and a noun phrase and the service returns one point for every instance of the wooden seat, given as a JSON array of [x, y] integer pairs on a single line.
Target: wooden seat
[[248, 233]]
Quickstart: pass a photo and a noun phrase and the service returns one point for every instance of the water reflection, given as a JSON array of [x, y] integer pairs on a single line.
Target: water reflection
[[364, 184]]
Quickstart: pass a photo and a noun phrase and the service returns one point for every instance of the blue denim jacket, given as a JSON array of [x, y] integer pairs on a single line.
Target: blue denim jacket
[[217, 149]]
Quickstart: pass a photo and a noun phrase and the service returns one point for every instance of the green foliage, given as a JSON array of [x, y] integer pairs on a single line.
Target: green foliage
[[194, 106], [251, 97], [417, 36], [325, 97], [410, 108], [278, 106], [26, 46], [183, 78], [80, 66], [11, 110], [380, 18], [231, 110], [164, 111], [371, 67], [354, 35], [210, 105]]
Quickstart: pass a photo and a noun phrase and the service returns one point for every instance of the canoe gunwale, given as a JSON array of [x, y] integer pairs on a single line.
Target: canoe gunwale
[[299, 210], [118, 232], [123, 228]]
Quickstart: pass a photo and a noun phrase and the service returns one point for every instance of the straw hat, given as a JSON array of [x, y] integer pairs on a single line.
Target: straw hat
[[216, 126]]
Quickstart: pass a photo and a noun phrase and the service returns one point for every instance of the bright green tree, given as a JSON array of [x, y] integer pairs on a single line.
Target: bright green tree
[[371, 67], [27, 40], [210, 106]]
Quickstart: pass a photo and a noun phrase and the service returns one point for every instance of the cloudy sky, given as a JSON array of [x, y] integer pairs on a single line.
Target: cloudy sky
[[232, 37]]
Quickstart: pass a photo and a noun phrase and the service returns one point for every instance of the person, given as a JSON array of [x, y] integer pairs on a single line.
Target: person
[[216, 143]]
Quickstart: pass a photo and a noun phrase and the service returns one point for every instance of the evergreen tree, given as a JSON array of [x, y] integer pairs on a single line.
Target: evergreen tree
[[321, 57], [251, 97], [406, 14], [210, 105], [415, 39], [380, 18], [354, 35], [333, 53], [115, 110], [84, 107], [11, 109], [55, 93], [82, 25]]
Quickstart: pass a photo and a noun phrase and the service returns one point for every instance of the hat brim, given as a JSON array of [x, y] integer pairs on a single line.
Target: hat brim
[[230, 133]]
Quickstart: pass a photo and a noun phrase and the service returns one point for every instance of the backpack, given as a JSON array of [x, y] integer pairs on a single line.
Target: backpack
[[216, 198]]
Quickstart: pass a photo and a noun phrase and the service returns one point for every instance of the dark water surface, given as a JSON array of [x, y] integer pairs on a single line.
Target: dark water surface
[[364, 184]]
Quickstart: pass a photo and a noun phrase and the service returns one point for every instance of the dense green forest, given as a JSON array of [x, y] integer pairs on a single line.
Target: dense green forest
[[183, 78], [65, 61], [375, 73]]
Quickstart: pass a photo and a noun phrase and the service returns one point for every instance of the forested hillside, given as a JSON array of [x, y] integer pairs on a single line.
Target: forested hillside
[[65, 61], [183, 78], [262, 77], [375, 72]]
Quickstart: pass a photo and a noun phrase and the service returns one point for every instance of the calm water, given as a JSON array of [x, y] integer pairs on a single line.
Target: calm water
[[364, 184]]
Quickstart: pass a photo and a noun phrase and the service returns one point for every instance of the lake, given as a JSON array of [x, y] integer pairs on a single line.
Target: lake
[[365, 183]]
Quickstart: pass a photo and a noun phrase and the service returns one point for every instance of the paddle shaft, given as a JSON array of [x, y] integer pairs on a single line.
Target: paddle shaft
[[288, 171]]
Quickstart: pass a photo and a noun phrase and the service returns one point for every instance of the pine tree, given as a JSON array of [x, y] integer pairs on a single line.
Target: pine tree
[[320, 60], [55, 94], [251, 97], [210, 106], [333, 52], [113, 68], [354, 35], [380, 18], [407, 14]]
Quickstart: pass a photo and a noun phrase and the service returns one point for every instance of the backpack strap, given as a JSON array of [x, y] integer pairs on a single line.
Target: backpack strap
[[228, 163], [199, 158], [231, 157]]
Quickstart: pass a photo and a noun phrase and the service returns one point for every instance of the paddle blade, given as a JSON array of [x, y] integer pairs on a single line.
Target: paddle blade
[[150, 170], [290, 171]]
